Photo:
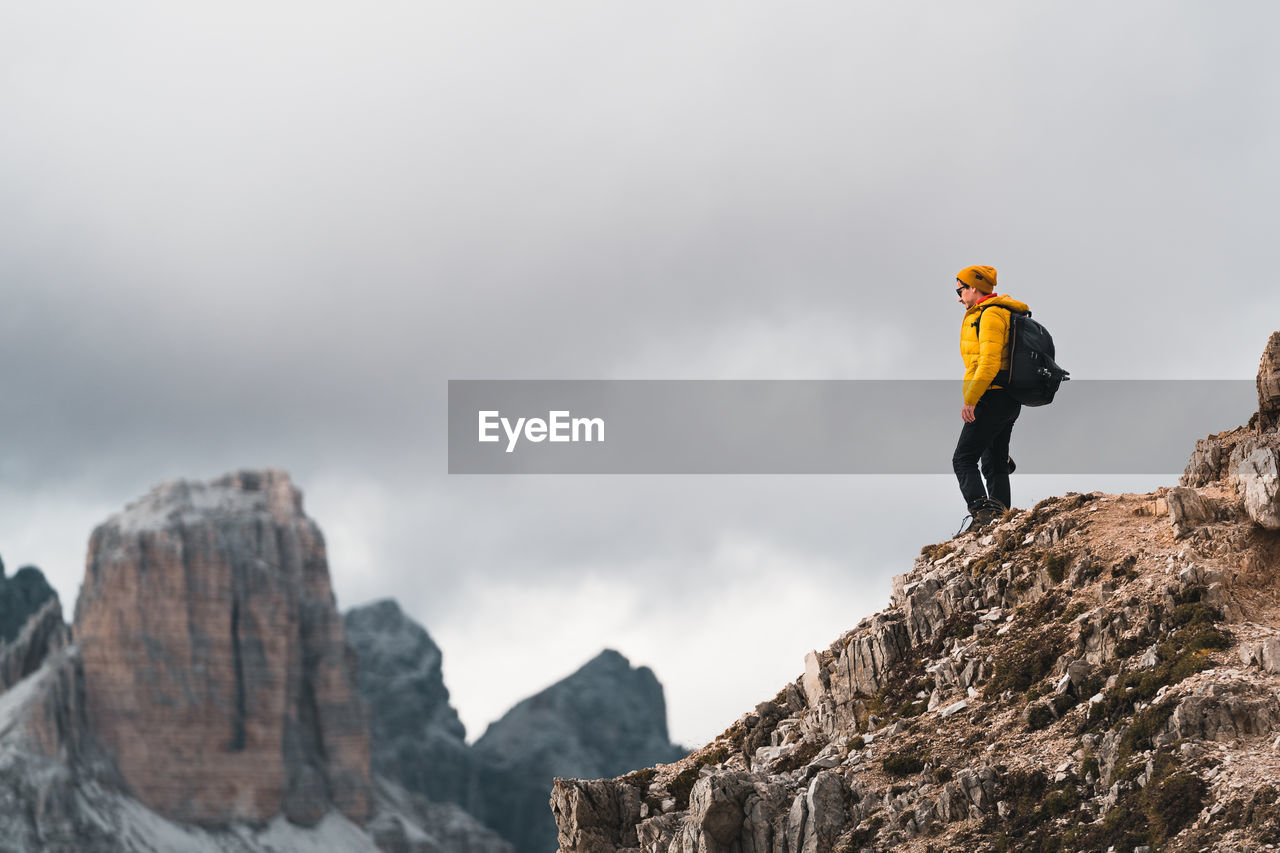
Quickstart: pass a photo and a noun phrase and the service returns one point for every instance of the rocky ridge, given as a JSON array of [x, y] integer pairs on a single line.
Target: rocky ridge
[[1100, 672]]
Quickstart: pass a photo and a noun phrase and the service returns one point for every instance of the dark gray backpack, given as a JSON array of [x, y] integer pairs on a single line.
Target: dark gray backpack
[[1033, 376]]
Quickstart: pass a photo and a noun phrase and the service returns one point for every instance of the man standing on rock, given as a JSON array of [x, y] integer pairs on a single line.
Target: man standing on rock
[[988, 411]]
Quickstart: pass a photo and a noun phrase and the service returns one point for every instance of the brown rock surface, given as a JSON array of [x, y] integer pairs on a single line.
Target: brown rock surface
[[1218, 457], [1086, 652], [215, 669], [1269, 385], [1259, 478]]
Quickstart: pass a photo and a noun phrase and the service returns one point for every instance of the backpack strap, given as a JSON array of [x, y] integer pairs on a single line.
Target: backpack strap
[[1002, 377], [1012, 314]]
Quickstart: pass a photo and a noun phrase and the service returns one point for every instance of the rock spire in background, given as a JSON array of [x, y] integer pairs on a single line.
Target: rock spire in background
[[31, 624], [417, 737], [215, 669], [607, 718], [20, 597]]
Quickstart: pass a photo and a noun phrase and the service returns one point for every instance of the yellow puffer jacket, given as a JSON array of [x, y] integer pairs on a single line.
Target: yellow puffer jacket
[[985, 357]]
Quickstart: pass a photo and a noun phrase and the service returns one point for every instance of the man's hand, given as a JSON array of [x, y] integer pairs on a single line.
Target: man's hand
[[966, 413]]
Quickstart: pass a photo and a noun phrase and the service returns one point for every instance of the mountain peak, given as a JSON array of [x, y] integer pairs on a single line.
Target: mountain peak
[[207, 630], [237, 494], [606, 718]]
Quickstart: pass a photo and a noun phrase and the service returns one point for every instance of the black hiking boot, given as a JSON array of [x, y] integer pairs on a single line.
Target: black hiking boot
[[981, 513], [985, 512]]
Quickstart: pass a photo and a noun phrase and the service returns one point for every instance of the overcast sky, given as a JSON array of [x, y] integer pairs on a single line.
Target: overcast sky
[[243, 235]]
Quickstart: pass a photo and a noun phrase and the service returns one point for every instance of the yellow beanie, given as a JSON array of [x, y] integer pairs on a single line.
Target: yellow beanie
[[979, 278]]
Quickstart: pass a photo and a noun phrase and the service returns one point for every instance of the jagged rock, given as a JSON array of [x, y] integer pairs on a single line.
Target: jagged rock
[[832, 755], [1076, 673], [795, 822], [417, 739], [43, 633], [716, 808], [1259, 476], [215, 670], [1186, 509], [787, 732], [604, 720], [1222, 712], [1269, 385], [813, 685], [759, 810], [1053, 532], [1219, 456], [767, 755], [866, 657], [597, 816], [1265, 654], [1207, 462], [1099, 633], [1083, 569], [825, 815]]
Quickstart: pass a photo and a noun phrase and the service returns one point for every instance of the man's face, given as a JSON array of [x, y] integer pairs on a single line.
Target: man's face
[[968, 296]]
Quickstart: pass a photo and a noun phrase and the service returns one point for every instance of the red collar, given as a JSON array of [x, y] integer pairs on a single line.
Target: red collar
[[985, 298]]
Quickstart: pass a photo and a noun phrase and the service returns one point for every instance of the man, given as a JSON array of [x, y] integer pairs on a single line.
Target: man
[[988, 411]]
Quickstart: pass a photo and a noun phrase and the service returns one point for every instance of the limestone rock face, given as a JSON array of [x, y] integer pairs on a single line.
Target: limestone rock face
[[605, 719], [596, 816], [1222, 712], [418, 739], [215, 672], [1259, 477], [1187, 510], [1219, 457], [1269, 385]]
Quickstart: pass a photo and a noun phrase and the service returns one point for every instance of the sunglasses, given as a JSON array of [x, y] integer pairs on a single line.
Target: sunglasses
[[961, 289]]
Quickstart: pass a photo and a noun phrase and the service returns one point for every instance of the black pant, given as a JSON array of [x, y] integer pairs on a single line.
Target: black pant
[[987, 438]]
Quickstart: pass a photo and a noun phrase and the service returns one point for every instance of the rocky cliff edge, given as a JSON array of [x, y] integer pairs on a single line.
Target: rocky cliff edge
[[1100, 672]]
